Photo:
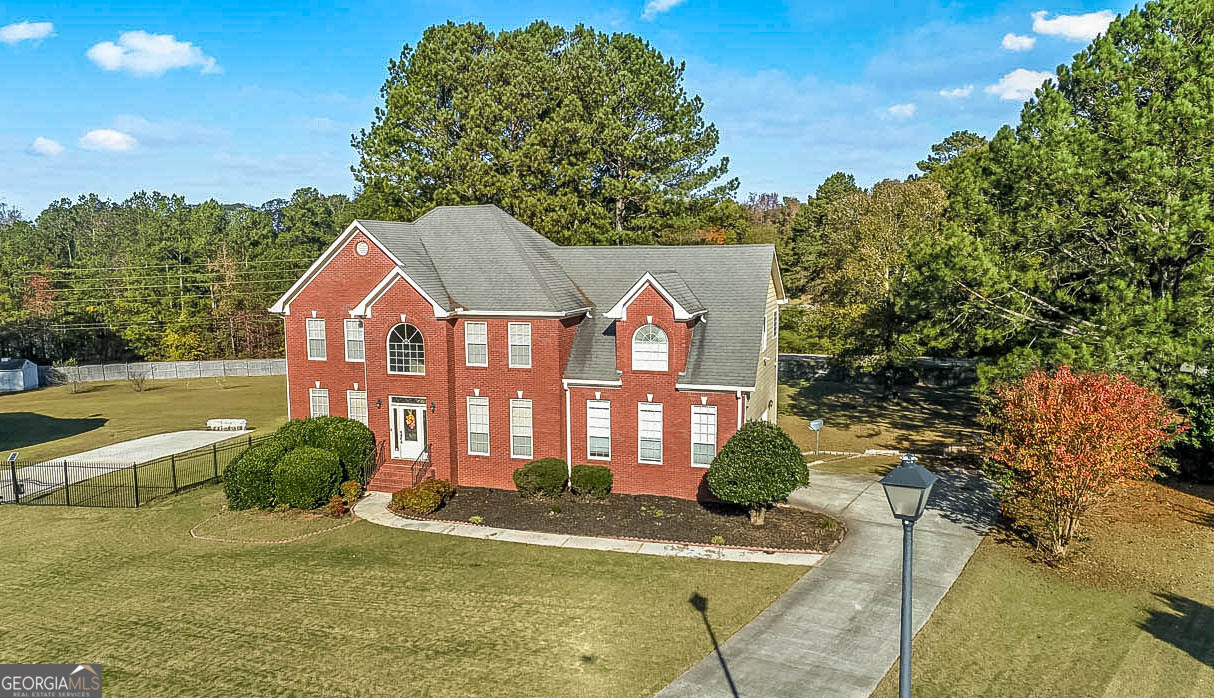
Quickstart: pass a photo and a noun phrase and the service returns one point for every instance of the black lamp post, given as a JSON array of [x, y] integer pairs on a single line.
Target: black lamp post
[[907, 488]]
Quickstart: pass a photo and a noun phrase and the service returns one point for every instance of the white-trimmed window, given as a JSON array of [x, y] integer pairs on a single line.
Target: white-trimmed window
[[598, 429], [318, 402], [476, 344], [775, 323], [356, 405], [316, 338], [520, 429], [703, 435], [520, 344], [764, 335], [406, 350], [478, 426], [355, 348], [650, 349], [649, 432]]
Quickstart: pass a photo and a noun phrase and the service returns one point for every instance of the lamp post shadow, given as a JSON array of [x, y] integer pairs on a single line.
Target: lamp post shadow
[[700, 604]]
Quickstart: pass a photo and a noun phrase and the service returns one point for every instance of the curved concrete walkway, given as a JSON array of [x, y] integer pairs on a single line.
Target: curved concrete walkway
[[835, 631], [374, 508]]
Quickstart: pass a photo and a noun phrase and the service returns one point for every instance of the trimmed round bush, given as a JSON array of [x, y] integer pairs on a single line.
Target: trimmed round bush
[[591, 480], [248, 480], [350, 439], [759, 465], [423, 498], [306, 478], [546, 476]]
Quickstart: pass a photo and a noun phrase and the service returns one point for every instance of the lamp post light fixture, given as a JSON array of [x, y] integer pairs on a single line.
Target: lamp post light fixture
[[907, 488]]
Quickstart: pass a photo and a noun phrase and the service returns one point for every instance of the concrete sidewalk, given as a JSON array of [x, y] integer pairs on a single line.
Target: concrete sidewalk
[[835, 631]]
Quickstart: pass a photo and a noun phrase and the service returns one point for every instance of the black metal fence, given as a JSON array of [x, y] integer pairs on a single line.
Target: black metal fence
[[118, 485]]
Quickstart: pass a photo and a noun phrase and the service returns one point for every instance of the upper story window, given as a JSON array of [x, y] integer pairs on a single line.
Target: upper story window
[[355, 350], [775, 323], [406, 350], [764, 333], [650, 349], [520, 344], [476, 344], [316, 338]]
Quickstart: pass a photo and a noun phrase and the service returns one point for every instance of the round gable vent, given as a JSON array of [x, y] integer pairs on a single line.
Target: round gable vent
[[361, 248]]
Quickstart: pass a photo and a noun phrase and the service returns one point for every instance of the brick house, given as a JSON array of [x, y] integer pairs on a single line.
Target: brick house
[[471, 344]]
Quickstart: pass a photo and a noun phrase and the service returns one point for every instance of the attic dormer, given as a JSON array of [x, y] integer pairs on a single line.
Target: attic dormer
[[653, 324]]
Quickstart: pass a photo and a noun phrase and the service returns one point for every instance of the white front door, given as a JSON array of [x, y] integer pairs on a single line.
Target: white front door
[[408, 429]]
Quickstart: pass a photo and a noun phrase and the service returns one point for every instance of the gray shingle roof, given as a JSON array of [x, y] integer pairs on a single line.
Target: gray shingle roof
[[481, 259]]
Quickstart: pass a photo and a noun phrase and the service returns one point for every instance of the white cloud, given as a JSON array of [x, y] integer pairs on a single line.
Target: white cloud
[[141, 53], [957, 92], [1074, 27], [166, 132], [901, 111], [46, 146], [653, 8], [1019, 84], [107, 139], [26, 31], [1016, 42]]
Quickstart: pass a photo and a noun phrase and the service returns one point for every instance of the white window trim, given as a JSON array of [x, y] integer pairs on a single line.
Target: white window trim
[[775, 324], [467, 324], [666, 367], [531, 408], [362, 338], [662, 432], [712, 409], [366, 408], [764, 335], [588, 454], [388, 351], [324, 339], [314, 393], [468, 421], [510, 344]]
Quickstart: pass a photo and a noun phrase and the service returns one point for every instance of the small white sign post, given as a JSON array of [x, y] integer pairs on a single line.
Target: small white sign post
[[816, 427]]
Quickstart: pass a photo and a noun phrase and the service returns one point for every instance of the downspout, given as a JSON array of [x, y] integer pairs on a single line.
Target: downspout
[[739, 410], [568, 435], [286, 358]]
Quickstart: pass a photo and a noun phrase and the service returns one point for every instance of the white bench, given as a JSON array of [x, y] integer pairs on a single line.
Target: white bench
[[227, 424]]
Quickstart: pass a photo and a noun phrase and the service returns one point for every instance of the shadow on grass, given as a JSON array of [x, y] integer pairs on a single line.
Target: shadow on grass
[[1185, 625], [965, 501], [21, 429], [700, 604]]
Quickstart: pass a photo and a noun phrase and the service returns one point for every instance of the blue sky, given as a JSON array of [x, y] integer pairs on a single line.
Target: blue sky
[[247, 101]]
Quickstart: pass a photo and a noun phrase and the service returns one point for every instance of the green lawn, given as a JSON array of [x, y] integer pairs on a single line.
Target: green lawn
[[54, 422], [857, 417], [363, 610], [1131, 615]]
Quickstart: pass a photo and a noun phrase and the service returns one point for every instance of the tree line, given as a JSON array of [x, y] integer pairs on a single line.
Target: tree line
[[1079, 236]]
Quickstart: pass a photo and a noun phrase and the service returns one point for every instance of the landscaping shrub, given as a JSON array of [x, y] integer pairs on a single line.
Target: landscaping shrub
[[349, 439], [759, 465], [306, 478], [592, 480], [248, 479], [423, 498], [350, 491], [546, 476], [336, 508]]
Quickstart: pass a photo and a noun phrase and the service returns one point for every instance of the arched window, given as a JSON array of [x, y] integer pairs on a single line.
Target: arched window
[[650, 350], [406, 350]]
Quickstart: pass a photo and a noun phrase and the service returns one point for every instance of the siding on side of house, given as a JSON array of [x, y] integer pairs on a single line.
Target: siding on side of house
[[767, 376]]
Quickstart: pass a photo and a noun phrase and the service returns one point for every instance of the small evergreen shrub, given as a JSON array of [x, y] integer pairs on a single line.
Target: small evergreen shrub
[[350, 491], [248, 480], [306, 477], [591, 480], [546, 476], [423, 498], [759, 465]]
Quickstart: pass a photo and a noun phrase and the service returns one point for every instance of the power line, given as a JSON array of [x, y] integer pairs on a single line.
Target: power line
[[175, 275], [162, 265], [183, 282]]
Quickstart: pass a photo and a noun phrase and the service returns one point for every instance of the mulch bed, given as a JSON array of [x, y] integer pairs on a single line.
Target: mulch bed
[[643, 517]]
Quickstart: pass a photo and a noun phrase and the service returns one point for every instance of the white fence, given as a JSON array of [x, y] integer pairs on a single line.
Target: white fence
[[54, 375]]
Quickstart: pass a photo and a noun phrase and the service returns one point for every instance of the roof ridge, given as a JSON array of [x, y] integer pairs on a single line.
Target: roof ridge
[[526, 256], [421, 241]]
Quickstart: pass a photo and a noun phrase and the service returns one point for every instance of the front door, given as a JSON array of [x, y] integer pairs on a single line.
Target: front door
[[408, 429]]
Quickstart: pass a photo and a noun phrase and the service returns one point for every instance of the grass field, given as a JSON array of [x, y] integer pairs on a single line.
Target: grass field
[[363, 610], [53, 422], [857, 417], [1132, 614]]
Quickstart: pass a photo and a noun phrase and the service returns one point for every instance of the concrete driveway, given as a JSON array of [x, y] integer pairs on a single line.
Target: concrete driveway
[[86, 465], [835, 631]]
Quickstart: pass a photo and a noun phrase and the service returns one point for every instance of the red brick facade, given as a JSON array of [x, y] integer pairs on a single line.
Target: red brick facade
[[447, 382]]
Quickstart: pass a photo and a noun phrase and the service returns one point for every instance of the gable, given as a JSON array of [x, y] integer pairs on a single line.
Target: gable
[[346, 247]]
